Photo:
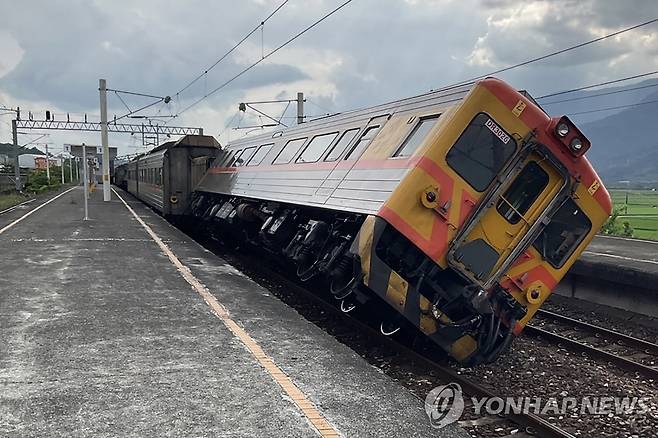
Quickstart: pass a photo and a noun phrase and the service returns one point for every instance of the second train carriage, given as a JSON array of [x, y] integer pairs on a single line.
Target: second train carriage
[[460, 209], [165, 176]]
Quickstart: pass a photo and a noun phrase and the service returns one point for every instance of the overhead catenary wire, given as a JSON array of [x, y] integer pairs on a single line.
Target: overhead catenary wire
[[551, 54], [625, 90], [318, 106], [232, 49], [631, 105], [267, 55], [587, 87]]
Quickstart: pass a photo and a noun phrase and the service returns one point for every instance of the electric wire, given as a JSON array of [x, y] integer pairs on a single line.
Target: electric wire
[[626, 90], [250, 33], [587, 87], [632, 105], [555, 53], [272, 52]]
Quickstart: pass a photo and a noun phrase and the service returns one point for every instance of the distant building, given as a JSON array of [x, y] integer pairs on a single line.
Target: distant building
[[29, 161], [33, 161]]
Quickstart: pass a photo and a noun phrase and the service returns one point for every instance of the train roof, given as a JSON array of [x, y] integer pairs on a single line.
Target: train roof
[[448, 96]]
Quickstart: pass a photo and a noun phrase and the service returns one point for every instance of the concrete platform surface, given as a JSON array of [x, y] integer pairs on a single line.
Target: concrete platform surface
[[101, 335], [629, 261]]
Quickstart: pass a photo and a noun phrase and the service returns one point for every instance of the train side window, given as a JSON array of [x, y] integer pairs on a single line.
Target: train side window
[[258, 157], [236, 157], [246, 155], [361, 145], [565, 231], [316, 147], [417, 136], [481, 152], [289, 151], [342, 144], [522, 193]]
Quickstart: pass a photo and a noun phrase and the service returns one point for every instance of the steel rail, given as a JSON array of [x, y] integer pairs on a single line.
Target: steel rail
[[14, 207], [594, 352], [622, 339], [533, 424]]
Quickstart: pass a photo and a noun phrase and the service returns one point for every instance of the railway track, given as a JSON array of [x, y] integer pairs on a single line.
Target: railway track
[[7, 210], [526, 424], [627, 352]]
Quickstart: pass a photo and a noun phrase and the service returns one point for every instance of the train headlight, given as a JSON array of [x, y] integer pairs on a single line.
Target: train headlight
[[562, 129], [576, 144]]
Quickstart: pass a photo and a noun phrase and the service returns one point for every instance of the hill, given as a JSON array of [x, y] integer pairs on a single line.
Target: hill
[[624, 145], [8, 149]]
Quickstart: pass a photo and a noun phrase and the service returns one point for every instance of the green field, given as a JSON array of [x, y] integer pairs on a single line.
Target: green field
[[640, 209]]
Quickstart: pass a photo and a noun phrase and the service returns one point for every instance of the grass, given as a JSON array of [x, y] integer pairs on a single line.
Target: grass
[[8, 200], [640, 209]]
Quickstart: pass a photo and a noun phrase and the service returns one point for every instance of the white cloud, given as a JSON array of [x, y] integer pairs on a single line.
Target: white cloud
[[11, 53], [369, 52]]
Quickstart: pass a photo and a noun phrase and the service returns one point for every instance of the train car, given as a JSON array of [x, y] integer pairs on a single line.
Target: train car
[[165, 176], [454, 213], [120, 176]]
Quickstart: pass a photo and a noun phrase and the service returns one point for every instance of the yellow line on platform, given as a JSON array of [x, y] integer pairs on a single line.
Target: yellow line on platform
[[308, 409], [34, 210]]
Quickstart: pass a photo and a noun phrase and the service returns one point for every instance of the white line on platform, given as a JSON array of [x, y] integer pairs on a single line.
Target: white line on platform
[[2, 230], [7, 210], [308, 409], [614, 256], [628, 240]]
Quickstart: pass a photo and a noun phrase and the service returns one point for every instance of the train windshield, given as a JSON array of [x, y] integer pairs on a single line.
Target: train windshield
[[567, 228], [481, 152]]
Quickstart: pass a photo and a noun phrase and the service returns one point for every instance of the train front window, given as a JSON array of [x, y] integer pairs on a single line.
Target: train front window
[[481, 152], [522, 193], [567, 228]]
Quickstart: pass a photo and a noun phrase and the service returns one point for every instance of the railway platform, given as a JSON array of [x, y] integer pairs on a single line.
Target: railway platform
[[616, 272], [123, 326]]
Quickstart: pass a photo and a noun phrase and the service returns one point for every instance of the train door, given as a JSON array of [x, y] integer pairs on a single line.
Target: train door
[[505, 220], [345, 163]]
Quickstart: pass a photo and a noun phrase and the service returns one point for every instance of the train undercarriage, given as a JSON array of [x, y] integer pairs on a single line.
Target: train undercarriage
[[366, 262]]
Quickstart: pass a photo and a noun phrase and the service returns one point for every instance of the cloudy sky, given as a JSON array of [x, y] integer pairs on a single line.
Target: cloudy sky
[[52, 53]]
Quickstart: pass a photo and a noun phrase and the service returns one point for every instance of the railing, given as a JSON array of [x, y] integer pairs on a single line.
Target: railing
[[8, 181]]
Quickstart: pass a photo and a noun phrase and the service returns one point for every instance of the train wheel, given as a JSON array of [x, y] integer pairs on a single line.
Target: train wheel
[[341, 289], [346, 306], [389, 328]]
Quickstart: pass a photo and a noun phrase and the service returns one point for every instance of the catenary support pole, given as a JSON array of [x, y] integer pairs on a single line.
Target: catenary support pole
[[47, 165], [85, 183], [300, 108], [17, 166], [70, 170], [104, 141]]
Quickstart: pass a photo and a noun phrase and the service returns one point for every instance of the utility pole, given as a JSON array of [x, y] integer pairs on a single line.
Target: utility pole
[[47, 165], [300, 108], [84, 184], [70, 169], [104, 141], [61, 165], [17, 168]]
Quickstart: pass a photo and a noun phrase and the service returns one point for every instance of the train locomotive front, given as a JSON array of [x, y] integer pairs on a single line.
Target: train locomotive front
[[454, 213]]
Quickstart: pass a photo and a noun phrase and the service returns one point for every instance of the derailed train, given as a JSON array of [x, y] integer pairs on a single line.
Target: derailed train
[[455, 212]]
